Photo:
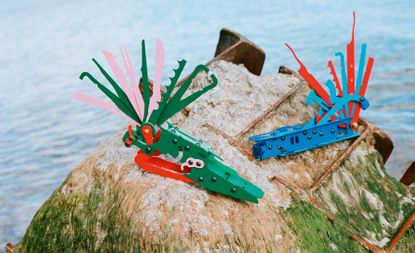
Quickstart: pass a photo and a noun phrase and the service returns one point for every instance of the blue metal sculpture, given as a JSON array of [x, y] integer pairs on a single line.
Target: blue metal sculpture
[[339, 109]]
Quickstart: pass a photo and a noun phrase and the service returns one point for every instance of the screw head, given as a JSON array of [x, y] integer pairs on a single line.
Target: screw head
[[213, 179], [174, 141], [200, 179]]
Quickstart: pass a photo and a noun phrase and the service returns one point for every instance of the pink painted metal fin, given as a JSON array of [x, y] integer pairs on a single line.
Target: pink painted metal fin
[[335, 78], [310, 79], [102, 104], [155, 98], [133, 81], [363, 88], [121, 78], [350, 65]]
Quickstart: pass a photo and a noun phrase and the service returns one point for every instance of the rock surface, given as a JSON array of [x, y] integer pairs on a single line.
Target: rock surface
[[314, 201]]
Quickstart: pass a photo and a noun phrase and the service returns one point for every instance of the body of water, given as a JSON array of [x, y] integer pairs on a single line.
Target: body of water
[[45, 45]]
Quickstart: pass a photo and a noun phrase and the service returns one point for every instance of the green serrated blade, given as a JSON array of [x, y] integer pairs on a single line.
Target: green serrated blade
[[166, 96], [176, 103]]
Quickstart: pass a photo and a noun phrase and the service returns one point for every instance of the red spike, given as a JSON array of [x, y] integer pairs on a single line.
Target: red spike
[[335, 78], [310, 79], [363, 88], [350, 65]]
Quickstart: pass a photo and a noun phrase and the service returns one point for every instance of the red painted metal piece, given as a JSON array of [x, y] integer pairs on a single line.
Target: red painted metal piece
[[350, 65], [335, 78], [310, 79], [162, 167], [363, 88]]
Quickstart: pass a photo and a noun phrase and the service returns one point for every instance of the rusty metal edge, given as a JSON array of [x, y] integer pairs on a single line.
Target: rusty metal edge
[[342, 156]]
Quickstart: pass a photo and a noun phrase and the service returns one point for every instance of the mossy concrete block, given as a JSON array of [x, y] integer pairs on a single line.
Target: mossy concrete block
[[107, 204]]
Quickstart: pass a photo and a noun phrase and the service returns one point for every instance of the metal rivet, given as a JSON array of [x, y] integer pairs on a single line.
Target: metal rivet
[[314, 131], [213, 179], [362, 98], [190, 162], [269, 147], [146, 131], [200, 179], [198, 164], [233, 190], [175, 141], [332, 131], [304, 132], [186, 148], [148, 150], [283, 138], [309, 137], [321, 134]]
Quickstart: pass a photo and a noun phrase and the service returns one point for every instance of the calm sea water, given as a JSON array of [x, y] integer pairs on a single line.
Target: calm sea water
[[45, 45]]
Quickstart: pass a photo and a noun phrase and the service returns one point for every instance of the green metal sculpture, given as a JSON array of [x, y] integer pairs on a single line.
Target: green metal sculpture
[[192, 160]]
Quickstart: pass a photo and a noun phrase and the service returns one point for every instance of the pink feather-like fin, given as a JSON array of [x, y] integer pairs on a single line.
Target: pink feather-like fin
[[133, 81], [121, 78], [155, 98], [102, 104]]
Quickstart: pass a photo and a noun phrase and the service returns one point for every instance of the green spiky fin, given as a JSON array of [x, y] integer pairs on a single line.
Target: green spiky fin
[[170, 106], [144, 80], [120, 100], [166, 96]]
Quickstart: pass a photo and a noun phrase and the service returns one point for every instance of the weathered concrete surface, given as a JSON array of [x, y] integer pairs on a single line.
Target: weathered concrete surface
[[107, 204]]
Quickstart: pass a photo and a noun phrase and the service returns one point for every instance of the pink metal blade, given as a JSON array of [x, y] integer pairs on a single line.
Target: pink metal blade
[[133, 81], [155, 98], [102, 104], [121, 78]]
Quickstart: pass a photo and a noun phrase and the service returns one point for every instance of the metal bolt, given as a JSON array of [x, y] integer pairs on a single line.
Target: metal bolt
[[233, 190], [213, 179], [175, 141], [200, 179]]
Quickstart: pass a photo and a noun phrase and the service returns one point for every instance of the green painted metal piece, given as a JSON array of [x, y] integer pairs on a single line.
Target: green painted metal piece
[[170, 140]]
